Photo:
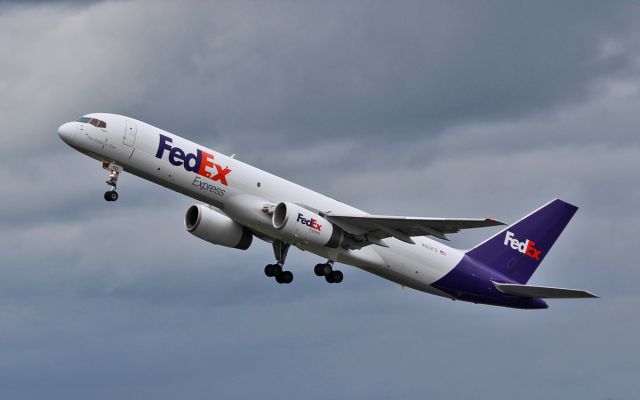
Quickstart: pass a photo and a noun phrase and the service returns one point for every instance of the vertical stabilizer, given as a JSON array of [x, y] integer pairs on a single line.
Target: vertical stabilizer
[[517, 251]]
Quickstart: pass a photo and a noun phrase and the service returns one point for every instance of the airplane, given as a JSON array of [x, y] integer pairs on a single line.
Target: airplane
[[240, 202]]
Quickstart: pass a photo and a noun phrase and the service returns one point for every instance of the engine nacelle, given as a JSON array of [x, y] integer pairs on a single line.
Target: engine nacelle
[[304, 226], [216, 228]]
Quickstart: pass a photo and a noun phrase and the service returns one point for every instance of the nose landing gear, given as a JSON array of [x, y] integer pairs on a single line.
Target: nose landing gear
[[112, 181]]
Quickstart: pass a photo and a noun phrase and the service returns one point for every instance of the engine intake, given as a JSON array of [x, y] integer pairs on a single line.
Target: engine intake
[[302, 225], [216, 228]]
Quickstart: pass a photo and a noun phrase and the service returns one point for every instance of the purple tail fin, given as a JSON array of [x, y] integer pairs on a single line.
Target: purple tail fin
[[517, 251]]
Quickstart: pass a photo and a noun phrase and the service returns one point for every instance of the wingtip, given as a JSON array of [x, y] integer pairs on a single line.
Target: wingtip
[[495, 221]]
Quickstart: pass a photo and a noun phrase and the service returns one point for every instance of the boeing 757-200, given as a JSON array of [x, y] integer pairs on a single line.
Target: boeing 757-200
[[240, 202]]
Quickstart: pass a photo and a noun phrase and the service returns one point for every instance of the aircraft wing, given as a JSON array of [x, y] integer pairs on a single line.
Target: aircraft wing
[[403, 228], [541, 291]]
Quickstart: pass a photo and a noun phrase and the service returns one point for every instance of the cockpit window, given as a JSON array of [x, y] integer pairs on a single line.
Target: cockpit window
[[93, 121]]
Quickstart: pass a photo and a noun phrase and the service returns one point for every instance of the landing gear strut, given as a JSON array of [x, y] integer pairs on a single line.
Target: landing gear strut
[[280, 250], [112, 181], [327, 271]]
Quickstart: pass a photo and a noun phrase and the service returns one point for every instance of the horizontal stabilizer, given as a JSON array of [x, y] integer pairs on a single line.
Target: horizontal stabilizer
[[541, 291]]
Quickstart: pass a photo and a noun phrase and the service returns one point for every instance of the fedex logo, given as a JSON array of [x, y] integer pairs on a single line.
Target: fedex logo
[[527, 247], [201, 163], [311, 223]]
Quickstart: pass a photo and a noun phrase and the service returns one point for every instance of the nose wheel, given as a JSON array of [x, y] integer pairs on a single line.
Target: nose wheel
[[112, 180], [111, 195]]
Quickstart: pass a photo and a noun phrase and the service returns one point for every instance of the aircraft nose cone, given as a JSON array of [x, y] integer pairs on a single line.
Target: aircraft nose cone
[[67, 132]]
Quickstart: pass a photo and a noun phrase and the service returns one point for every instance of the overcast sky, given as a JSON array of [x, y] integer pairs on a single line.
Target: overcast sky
[[451, 108]]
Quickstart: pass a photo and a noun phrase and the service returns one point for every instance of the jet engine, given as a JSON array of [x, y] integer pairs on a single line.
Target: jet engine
[[216, 228], [304, 226]]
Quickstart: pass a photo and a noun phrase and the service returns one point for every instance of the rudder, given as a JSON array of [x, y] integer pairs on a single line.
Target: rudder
[[518, 250]]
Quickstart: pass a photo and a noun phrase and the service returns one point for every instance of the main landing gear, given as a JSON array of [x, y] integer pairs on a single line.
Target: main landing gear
[[112, 181], [275, 270], [280, 250], [326, 270]]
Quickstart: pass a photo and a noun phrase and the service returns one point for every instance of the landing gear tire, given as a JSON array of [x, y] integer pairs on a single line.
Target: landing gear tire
[[111, 195], [269, 270], [319, 269], [336, 276], [324, 269], [284, 277], [272, 270]]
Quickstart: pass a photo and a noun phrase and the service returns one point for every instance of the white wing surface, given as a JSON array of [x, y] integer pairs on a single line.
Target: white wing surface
[[403, 228]]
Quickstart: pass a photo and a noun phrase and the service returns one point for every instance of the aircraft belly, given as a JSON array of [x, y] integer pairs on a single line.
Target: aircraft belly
[[369, 259], [419, 262]]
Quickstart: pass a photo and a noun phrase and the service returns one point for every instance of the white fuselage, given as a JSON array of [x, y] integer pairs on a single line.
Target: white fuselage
[[133, 145]]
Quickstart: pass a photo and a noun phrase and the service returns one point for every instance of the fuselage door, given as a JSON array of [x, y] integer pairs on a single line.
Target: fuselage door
[[130, 131]]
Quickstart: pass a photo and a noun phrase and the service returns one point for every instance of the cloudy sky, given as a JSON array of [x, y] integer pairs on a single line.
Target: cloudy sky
[[451, 108]]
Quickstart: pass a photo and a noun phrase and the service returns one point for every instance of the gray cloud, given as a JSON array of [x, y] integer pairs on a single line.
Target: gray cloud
[[410, 69], [439, 108]]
